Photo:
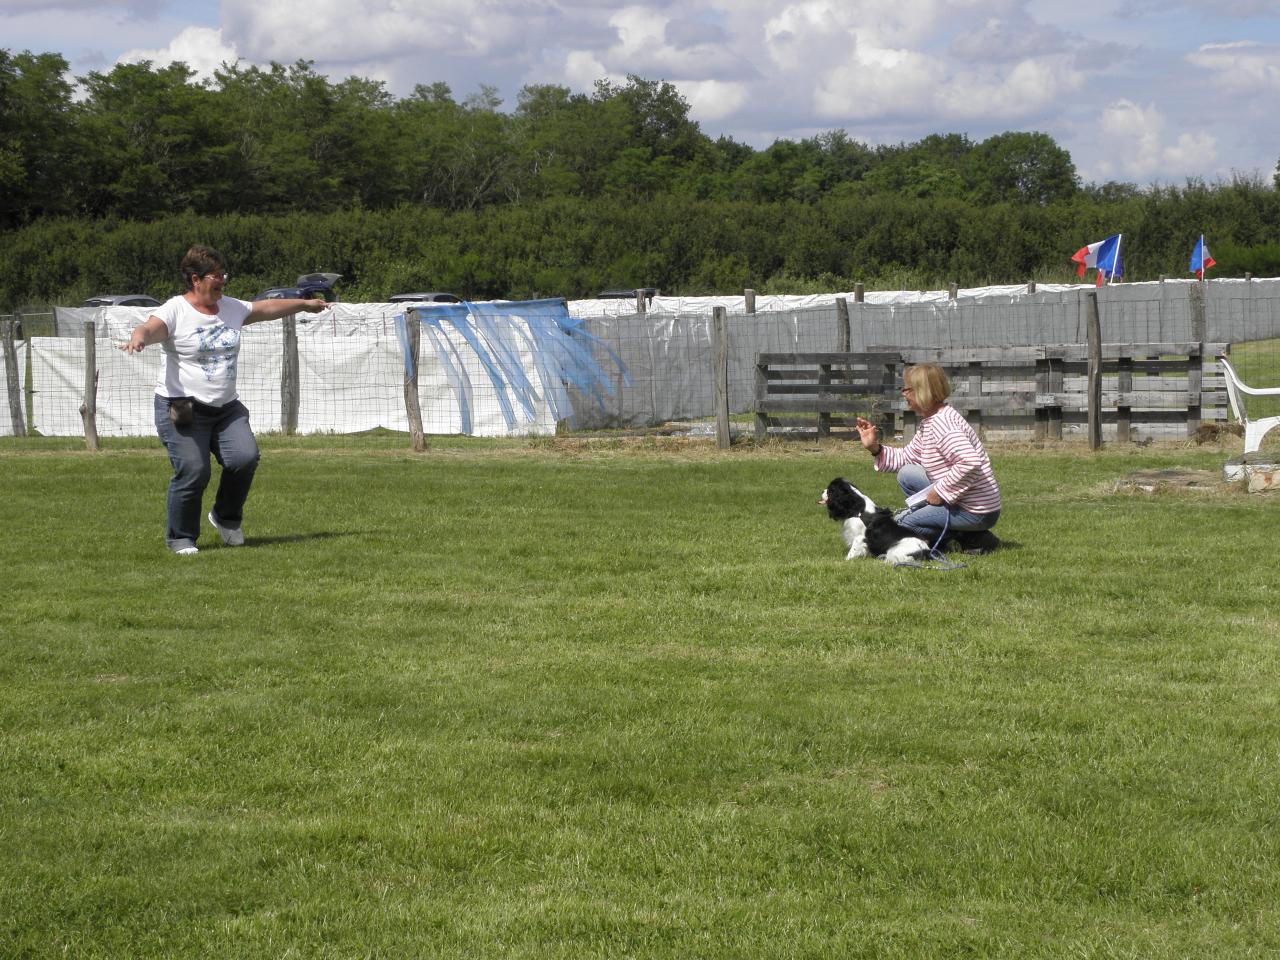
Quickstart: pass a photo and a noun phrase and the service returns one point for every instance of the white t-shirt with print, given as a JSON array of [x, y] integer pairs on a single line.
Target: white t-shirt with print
[[199, 358]]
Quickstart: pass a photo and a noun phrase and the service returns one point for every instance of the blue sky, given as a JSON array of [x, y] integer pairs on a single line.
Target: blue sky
[[1148, 91]]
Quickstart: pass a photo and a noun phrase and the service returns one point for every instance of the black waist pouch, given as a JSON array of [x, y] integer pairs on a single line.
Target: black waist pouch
[[181, 411]]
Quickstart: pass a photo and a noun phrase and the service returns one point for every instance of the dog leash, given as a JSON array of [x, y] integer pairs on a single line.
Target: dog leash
[[937, 560]]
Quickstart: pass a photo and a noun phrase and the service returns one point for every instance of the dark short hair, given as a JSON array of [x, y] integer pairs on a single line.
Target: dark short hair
[[200, 260]]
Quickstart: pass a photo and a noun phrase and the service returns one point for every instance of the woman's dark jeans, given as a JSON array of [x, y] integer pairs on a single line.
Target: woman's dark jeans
[[224, 432], [930, 521]]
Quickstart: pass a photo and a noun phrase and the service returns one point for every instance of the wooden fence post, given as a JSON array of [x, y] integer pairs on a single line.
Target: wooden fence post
[[974, 389], [953, 291], [1197, 313], [1195, 383], [762, 392], [289, 376], [749, 301], [842, 325], [1124, 410], [1031, 286], [641, 303], [1094, 321], [412, 406], [11, 380], [824, 416], [89, 408], [720, 330]]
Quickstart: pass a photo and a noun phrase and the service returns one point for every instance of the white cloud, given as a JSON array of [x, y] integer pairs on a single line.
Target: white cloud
[[582, 70], [1244, 66], [1003, 40], [1133, 136], [346, 31], [711, 100], [645, 47], [200, 48], [640, 30], [1029, 87], [877, 82], [1193, 151], [135, 8]]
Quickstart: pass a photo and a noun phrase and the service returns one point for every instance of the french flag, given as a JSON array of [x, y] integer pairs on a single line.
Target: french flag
[[1104, 256], [1201, 259]]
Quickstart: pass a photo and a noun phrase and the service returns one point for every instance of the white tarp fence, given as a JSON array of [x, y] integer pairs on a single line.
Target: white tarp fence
[[487, 370]]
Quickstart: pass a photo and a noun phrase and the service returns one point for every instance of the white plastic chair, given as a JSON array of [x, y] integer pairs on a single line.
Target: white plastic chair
[[1254, 430]]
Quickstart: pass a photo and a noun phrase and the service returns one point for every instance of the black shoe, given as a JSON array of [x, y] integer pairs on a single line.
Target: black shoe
[[978, 542]]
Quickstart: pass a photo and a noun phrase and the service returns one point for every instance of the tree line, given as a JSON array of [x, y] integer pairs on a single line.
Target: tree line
[[564, 194]]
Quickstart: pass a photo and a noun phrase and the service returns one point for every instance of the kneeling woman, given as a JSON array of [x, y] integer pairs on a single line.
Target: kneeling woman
[[946, 461]]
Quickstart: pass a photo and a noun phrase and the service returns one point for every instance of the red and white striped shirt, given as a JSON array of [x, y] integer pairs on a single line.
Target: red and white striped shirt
[[953, 457]]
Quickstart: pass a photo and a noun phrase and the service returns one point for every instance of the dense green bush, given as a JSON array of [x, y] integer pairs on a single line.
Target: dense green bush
[[576, 247]]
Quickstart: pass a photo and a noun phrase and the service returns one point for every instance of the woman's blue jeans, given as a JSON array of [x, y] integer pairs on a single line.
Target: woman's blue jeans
[[929, 521], [223, 432]]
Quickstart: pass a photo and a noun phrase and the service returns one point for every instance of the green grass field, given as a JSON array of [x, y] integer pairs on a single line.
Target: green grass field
[[626, 699], [1258, 364]]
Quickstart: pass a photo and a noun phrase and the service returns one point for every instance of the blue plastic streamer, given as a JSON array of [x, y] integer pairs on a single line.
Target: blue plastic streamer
[[496, 333], [402, 331], [455, 373]]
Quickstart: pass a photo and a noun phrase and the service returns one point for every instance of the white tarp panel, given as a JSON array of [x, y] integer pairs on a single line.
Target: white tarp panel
[[125, 386], [775, 302], [351, 377]]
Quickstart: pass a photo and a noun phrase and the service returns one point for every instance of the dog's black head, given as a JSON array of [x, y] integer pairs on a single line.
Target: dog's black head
[[843, 500]]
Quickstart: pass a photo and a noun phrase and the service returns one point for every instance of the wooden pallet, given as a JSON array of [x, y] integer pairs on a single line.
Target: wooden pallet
[[1032, 390]]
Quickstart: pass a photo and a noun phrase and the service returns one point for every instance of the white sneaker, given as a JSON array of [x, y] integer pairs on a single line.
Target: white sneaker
[[187, 551], [231, 536]]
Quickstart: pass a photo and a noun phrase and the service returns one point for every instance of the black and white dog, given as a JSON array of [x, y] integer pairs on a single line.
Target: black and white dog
[[869, 531]]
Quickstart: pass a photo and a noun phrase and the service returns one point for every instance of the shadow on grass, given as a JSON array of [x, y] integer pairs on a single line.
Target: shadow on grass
[[1006, 546], [298, 538]]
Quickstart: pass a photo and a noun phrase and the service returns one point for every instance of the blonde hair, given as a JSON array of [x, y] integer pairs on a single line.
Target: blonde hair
[[929, 383]]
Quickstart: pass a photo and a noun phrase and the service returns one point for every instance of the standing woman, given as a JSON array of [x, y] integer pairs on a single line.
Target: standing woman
[[946, 461], [197, 409]]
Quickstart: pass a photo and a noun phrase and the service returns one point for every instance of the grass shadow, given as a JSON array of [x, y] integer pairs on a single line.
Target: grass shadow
[[299, 538]]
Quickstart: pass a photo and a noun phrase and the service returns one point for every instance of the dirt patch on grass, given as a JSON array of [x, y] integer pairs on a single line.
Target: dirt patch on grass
[[1176, 480]]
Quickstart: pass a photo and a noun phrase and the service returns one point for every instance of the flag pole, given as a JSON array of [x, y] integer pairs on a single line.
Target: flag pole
[[1115, 261]]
